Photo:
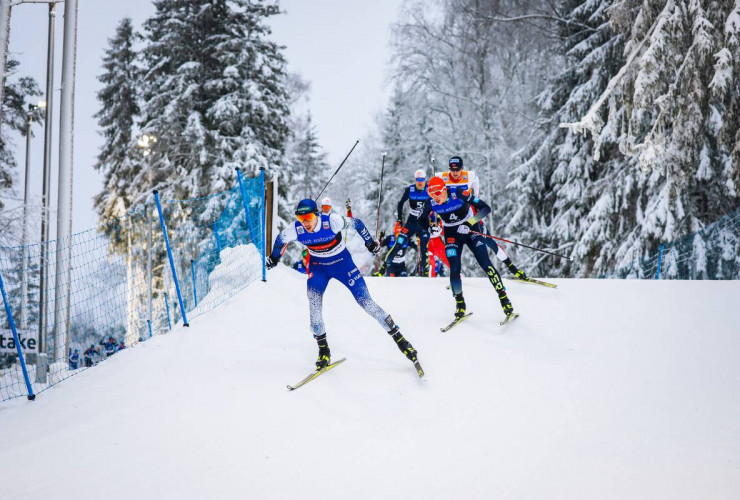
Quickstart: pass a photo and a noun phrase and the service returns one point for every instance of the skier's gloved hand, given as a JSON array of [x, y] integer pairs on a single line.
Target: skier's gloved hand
[[463, 228], [373, 247], [435, 230], [271, 261]]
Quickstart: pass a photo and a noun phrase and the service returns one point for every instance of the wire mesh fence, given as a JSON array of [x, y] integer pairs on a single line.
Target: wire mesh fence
[[711, 253], [77, 302]]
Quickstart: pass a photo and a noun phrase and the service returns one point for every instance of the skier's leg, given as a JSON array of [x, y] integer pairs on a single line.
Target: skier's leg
[[501, 255], [316, 286], [477, 245]]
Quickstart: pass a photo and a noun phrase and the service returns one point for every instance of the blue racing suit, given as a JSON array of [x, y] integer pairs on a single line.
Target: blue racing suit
[[331, 259], [416, 198]]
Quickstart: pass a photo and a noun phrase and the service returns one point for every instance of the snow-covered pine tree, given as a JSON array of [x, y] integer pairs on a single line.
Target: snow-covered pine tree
[[567, 201], [14, 109], [118, 160], [214, 93]]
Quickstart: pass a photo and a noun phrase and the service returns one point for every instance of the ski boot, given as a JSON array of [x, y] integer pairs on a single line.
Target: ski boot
[[404, 345], [518, 273], [381, 270], [505, 303], [324, 353], [460, 306]]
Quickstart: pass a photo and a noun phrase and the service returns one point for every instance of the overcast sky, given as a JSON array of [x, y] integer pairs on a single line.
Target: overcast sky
[[340, 46]]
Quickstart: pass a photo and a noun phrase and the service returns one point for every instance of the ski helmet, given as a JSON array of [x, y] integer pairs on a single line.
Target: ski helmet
[[306, 206], [436, 185], [456, 163], [420, 175]]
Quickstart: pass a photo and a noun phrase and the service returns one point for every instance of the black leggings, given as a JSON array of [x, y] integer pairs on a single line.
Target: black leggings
[[477, 244]]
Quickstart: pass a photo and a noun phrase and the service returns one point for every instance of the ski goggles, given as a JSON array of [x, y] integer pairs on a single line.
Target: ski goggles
[[421, 179], [435, 192], [325, 208], [306, 217]]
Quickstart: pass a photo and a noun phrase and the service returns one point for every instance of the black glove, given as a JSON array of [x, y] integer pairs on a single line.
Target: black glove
[[271, 261], [373, 247]]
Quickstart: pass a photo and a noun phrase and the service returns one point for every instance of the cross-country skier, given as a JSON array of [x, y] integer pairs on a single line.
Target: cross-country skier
[[322, 235], [326, 205], [455, 208], [468, 182], [416, 195], [398, 263]]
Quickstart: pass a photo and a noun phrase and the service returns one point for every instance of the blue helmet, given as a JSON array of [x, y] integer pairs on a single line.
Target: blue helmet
[[306, 207]]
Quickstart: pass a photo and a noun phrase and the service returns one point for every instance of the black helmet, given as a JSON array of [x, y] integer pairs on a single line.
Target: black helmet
[[456, 163]]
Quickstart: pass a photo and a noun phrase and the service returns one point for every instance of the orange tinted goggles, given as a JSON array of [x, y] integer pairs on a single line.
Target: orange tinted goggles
[[436, 192], [306, 217]]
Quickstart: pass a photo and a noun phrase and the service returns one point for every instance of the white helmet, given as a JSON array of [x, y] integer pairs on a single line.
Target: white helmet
[[326, 201], [420, 174]]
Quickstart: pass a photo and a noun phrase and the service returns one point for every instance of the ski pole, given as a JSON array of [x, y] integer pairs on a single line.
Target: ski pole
[[434, 166], [380, 196], [522, 245], [337, 170]]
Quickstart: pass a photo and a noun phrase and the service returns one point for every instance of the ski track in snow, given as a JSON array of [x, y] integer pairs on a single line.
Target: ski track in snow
[[606, 389]]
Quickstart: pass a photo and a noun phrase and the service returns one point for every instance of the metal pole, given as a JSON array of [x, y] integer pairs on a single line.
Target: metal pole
[[380, 196], [24, 239], [31, 396], [149, 262], [263, 221], [46, 188], [5, 9], [66, 145], [192, 275], [167, 308], [172, 260], [660, 261]]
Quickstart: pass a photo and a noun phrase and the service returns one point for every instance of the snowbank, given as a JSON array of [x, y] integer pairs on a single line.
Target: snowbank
[[601, 389]]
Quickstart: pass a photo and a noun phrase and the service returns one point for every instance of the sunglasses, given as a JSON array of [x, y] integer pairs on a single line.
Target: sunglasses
[[455, 167], [423, 179], [325, 208], [306, 217], [435, 193]]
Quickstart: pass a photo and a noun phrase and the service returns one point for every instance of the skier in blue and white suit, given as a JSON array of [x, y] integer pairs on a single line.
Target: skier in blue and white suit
[[322, 236]]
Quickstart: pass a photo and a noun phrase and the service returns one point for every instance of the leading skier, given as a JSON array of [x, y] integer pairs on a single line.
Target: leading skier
[[322, 235], [455, 208]]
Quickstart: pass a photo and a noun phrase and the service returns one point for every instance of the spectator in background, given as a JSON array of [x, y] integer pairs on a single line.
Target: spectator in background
[[121, 346], [89, 356], [74, 359], [109, 346]]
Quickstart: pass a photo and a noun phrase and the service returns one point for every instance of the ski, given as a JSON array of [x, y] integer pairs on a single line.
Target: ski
[[535, 282], [315, 374], [509, 318], [455, 322], [419, 369]]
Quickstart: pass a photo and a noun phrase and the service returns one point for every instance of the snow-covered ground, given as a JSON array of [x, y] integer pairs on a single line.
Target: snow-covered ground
[[601, 389]]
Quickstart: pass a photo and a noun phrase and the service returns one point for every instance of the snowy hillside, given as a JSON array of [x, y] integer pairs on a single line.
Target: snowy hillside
[[602, 389]]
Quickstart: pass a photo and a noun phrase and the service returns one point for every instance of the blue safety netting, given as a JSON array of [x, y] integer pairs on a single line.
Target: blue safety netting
[[711, 253], [117, 287]]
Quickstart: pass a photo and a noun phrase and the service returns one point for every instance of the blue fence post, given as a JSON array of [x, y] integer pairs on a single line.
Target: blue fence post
[[172, 261], [167, 307], [31, 395], [263, 221], [660, 261], [244, 202], [218, 240], [149, 323], [195, 290]]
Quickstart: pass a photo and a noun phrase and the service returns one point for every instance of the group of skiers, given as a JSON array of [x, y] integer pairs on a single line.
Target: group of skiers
[[93, 354], [446, 214]]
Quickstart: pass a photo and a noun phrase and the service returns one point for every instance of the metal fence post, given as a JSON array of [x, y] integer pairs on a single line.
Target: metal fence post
[[31, 395], [263, 222], [244, 202], [167, 308], [660, 261], [172, 261], [149, 324], [195, 290]]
